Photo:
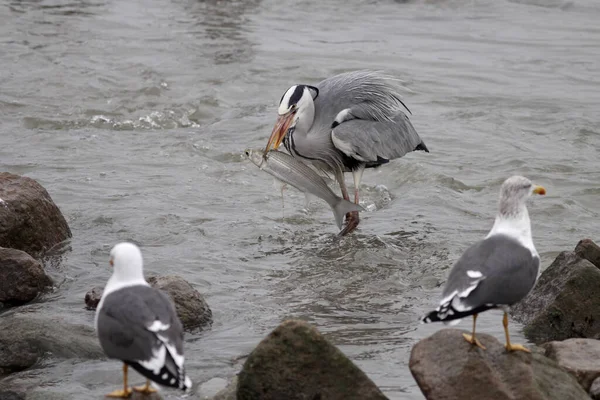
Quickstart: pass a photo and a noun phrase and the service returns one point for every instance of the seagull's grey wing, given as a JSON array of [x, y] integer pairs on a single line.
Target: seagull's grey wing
[[494, 272], [139, 325], [376, 141]]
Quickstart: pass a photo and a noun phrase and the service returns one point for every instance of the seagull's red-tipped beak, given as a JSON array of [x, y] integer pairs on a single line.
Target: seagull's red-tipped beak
[[281, 127], [539, 190]]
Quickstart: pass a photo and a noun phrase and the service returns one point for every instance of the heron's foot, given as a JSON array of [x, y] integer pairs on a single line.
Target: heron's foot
[[146, 389], [517, 347], [120, 394], [473, 341], [352, 221]]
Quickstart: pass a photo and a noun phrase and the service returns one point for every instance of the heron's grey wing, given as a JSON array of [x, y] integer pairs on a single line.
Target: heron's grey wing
[[497, 271], [376, 141], [135, 322], [371, 94]]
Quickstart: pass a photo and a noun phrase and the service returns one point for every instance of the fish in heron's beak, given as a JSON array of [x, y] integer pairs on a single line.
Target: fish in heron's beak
[[279, 131]]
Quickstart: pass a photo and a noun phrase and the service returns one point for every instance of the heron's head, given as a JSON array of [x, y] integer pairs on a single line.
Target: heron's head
[[296, 111]]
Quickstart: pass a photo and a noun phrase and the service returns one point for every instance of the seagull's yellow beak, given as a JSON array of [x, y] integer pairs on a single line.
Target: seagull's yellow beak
[[281, 127], [539, 190]]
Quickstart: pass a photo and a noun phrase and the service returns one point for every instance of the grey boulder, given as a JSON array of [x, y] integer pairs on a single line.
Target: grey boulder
[[565, 302], [25, 338], [295, 362], [22, 278], [446, 367], [29, 219], [581, 357]]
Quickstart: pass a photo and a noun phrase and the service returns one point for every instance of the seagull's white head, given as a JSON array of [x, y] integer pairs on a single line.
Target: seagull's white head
[[126, 259], [296, 111], [514, 193]]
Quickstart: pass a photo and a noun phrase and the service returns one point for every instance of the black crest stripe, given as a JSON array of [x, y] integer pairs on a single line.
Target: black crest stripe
[[297, 95]]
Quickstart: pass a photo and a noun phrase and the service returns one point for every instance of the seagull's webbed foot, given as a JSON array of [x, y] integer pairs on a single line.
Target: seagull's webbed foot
[[120, 394], [517, 347], [146, 389], [352, 221], [473, 340]]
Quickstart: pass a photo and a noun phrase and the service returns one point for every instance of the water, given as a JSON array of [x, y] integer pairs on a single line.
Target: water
[[135, 114]]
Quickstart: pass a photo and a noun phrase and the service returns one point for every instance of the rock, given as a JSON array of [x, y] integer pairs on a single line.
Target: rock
[[189, 303], [214, 387], [22, 278], [29, 219], [581, 357], [589, 250], [595, 390], [24, 339], [446, 367], [10, 395], [564, 303], [295, 362], [92, 298], [229, 392]]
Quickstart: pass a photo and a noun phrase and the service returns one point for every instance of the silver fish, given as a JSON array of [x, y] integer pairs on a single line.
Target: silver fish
[[299, 175]]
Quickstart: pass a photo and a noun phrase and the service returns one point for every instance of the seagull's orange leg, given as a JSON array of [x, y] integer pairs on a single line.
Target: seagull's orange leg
[[126, 392]]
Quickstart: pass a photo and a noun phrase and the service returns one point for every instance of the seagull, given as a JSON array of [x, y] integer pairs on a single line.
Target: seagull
[[495, 272], [346, 123], [138, 325]]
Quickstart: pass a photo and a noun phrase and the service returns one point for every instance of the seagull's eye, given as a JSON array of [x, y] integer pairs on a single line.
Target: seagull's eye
[[247, 153]]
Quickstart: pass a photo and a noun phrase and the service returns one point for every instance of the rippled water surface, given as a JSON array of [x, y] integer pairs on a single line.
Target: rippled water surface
[[134, 115]]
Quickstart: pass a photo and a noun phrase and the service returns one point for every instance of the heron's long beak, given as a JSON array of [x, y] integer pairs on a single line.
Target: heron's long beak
[[539, 190], [281, 127]]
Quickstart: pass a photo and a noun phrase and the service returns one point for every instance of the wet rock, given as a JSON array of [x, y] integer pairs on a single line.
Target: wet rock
[[92, 298], [29, 219], [24, 339], [229, 392], [564, 303], [581, 357], [191, 307], [22, 278], [217, 389], [10, 395], [595, 390], [295, 362], [446, 367], [589, 250]]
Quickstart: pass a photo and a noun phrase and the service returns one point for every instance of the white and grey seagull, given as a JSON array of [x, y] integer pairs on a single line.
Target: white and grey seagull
[[138, 325], [498, 271], [346, 123]]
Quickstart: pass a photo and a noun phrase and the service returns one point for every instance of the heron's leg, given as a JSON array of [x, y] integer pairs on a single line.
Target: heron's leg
[[339, 176], [509, 346], [471, 338], [352, 218], [126, 392], [146, 389], [357, 175]]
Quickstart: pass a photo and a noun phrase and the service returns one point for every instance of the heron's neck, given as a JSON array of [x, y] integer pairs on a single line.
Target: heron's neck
[[306, 117]]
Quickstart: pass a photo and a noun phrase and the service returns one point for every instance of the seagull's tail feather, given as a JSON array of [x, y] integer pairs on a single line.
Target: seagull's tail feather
[[449, 315]]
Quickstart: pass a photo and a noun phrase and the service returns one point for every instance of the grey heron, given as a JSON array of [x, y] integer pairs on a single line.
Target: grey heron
[[346, 123]]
